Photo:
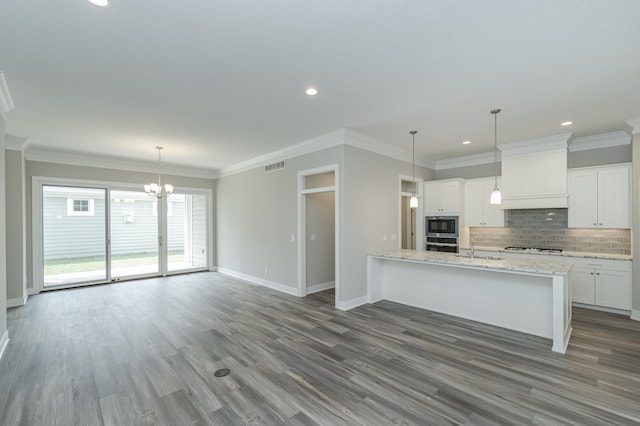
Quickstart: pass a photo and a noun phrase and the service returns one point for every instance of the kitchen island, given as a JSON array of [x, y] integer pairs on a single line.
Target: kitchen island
[[530, 296]]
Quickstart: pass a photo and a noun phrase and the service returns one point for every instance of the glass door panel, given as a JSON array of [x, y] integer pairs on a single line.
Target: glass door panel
[[186, 231], [74, 235], [134, 234]]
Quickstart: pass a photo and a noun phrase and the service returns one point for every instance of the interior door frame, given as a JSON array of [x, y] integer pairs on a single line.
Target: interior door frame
[[419, 210], [302, 210]]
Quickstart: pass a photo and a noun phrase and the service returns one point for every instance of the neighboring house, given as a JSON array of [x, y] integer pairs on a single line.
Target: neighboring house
[[74, 223]]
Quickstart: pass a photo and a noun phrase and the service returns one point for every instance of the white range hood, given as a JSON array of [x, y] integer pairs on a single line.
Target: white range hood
[[534, 173]]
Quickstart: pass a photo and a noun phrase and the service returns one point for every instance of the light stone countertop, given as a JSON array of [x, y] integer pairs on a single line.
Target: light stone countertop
[[563, 254], [542, 266]]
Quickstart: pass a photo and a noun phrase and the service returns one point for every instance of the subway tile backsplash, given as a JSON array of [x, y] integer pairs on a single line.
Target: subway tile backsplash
[[547, 228]]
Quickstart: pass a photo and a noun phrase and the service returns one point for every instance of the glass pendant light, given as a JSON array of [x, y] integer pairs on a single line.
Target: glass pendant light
[[496, 196], [413, 202]]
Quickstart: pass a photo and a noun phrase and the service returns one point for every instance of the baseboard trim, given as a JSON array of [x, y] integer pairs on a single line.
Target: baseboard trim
[[17, 301], [31, 291], [603, 309], [321, 287], [635, 315], [350, 304], [259, 281], [4, 342]]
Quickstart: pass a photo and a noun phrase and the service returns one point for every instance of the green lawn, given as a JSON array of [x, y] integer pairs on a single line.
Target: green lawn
[[97, 263]]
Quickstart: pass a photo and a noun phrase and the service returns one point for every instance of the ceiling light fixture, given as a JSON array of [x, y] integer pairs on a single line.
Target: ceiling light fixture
[[466, 142], [157, 190], [101, 3], [311, 91], [566, 123], [413, 202], [496, 196]]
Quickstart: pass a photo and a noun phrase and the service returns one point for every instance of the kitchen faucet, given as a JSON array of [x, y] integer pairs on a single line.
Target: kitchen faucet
[[472, 251]]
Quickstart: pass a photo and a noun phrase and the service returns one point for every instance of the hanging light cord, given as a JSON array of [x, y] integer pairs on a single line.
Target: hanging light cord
[[495, 151]]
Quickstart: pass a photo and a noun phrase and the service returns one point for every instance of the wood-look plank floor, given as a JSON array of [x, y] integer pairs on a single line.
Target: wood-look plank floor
[[144, 353]]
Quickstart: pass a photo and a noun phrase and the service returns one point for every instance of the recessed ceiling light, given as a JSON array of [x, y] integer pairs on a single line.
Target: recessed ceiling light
[[466, 142], [566, 123], [311, 91], [101, 3]]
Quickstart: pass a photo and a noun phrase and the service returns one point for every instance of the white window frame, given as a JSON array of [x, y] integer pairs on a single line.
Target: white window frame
[[71, 207]]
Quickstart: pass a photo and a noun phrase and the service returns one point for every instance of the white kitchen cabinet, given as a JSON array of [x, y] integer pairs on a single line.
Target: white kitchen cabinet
[[599, 197], [443, 197], [478, 210], [601, 282]]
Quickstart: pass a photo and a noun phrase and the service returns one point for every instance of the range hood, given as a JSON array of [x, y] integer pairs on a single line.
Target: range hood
[[534, 173]]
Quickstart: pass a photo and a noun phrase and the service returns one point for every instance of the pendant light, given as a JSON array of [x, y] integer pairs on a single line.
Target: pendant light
[[496, 196], [157, 190], [413, 202]]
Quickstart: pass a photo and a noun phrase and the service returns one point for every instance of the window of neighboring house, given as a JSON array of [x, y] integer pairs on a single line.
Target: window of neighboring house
[[154, 208], [80, 207]]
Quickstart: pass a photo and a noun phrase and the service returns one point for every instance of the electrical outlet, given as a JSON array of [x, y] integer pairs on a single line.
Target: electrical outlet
[[384, 237], [313, 237], [293, 238], [266, 271], [393, 237]]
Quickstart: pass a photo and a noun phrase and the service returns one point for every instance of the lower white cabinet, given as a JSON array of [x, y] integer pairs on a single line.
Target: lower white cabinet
[[601, 282]]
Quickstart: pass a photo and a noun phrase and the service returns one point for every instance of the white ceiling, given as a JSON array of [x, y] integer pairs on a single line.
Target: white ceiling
[[220, 82]]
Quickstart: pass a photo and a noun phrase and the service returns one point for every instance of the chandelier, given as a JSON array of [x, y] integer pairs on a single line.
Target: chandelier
[[158, 190]]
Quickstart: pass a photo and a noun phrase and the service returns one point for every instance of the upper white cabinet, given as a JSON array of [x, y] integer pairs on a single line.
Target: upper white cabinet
[[600, 197], [443, 197], [477, 209], [534, 173]]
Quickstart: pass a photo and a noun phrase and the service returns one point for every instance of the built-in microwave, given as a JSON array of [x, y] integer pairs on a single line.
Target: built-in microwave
[[441, 226]]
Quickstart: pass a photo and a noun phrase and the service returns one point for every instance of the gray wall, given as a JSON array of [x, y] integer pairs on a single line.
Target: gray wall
[[256, 214], [36, 168], [371, 210], [320, 221], [470, 172], [3, 234], [16, 226], [600, 157]]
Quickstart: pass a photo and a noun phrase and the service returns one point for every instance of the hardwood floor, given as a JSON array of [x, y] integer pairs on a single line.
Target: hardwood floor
[[145, 352]]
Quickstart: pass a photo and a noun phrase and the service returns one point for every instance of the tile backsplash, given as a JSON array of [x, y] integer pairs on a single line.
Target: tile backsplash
[[547, 228]]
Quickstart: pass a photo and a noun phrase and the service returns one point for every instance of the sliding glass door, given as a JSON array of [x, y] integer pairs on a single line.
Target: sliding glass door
[[74, 235], [93, 232], [186, 231], [134, 234]]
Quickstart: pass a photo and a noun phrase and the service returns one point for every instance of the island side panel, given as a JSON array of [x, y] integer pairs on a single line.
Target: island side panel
[[511, 300], [374, 279], [561, 313]]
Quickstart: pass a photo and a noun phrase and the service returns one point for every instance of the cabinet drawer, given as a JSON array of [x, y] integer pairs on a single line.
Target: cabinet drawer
[[608, 264]]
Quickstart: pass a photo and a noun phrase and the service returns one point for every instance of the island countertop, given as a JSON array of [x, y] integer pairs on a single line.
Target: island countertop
[[557, 266]]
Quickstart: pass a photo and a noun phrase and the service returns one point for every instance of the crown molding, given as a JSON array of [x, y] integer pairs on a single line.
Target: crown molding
[[117, 163], [15, 143], [328, 140], [6, 102], [632, 125], [467, 160], [600, 141], [361, 141], [535, 145]]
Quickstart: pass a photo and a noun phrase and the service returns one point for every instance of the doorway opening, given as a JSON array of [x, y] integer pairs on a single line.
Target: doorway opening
[[318, 234], [410, 223]]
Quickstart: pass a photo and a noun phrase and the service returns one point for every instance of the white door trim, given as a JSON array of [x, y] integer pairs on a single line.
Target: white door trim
[[302, 209]]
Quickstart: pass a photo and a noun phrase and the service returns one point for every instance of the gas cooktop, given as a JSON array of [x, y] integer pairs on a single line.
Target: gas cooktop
[[533, 249]]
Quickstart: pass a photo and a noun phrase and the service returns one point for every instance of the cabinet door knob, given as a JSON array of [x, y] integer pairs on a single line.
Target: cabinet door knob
[[595, 224], [597, 273], [591, 273], [600, 223]]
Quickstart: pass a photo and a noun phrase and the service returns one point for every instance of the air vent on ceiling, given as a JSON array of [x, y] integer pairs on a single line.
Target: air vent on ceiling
[[273, 167]]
